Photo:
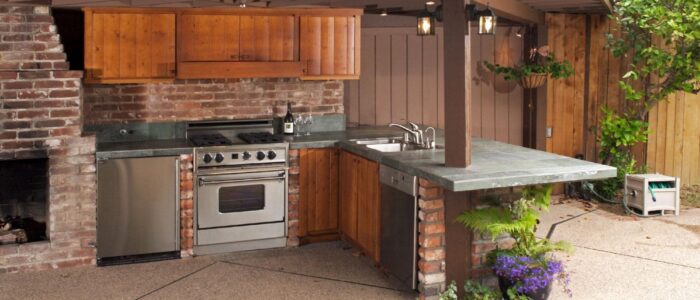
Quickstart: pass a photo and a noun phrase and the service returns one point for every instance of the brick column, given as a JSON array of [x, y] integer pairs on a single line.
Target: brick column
[[186, 205], [431, 239], [293, 201]]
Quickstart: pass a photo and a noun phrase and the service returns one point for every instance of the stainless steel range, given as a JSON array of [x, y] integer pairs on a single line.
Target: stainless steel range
[[240, 185]]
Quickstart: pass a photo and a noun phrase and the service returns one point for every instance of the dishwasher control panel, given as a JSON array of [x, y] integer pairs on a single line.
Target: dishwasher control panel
[[398, 180]]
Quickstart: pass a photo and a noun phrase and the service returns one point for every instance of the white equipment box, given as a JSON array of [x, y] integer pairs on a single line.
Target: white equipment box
[[653, 192]]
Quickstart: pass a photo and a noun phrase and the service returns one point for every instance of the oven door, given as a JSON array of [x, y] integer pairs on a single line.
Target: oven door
[[241, 199]]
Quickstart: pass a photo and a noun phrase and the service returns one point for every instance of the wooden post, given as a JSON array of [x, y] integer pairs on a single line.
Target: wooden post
[[458, 127], [458, 132]]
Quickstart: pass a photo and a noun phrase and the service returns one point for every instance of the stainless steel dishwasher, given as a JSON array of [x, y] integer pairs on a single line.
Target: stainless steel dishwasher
[[399, 230], [138, 215]]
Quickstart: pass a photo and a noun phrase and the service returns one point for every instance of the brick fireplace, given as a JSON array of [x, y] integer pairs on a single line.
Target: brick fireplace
[[40, 119]]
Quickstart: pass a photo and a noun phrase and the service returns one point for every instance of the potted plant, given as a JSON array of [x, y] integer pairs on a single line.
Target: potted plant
[[528, 269], [534, 71]]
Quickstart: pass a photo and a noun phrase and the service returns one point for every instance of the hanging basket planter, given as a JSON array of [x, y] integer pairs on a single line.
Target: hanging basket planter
[[533, 80]]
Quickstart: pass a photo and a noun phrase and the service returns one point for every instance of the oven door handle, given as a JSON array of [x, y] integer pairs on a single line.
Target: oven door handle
[[203, 182]]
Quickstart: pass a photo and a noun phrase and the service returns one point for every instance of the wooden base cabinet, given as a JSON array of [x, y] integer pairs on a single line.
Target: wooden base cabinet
[[360, 205], [318, 194]]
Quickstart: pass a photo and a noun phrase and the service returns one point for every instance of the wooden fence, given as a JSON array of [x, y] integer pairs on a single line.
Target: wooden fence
[[574, 104]]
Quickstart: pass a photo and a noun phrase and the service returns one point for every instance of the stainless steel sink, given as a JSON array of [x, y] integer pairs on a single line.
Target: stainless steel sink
[[389, 145], [393, 147], [378, 141]]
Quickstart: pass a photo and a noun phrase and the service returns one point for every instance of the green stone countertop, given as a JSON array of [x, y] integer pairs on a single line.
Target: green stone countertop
[[494, 164], [131, 149]]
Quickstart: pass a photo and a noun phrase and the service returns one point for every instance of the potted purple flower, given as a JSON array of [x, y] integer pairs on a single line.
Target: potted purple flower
[[528, 269]]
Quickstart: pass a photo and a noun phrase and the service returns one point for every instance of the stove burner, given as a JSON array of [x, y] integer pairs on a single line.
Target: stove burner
[[261, 138], [215, 139]]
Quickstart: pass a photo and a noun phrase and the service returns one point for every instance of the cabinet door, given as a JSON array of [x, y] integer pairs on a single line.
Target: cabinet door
[[348, 195], [209, 37], [129, 46], [267, 38], [368, 207], [330, 46], [318, 182]]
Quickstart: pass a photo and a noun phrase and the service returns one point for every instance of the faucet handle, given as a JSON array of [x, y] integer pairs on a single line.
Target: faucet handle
[[414, 125], [406, 137]]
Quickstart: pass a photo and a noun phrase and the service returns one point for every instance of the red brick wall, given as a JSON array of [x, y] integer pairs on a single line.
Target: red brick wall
[[185, 100], [293, 200], [431, 239], [40, 117], [186, 205]]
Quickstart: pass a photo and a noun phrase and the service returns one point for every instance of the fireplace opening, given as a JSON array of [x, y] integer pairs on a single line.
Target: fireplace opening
[[24, 187]]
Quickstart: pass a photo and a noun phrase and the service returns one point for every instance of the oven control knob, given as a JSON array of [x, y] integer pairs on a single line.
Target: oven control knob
[[219, 158], [246, 155], [271, 154], [260, 155], [207, 158]]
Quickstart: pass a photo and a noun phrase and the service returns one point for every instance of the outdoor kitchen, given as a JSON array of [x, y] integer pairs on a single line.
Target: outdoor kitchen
[[339, 150]]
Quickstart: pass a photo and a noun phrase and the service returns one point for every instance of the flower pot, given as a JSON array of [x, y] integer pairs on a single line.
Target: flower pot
[[533, 80], [541, 294]]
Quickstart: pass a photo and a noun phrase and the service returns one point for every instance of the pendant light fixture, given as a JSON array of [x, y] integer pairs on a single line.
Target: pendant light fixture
[[426, 22], [487, 22], [487, 19]]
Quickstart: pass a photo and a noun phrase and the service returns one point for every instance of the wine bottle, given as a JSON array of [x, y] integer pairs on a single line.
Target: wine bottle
[[289, 120]]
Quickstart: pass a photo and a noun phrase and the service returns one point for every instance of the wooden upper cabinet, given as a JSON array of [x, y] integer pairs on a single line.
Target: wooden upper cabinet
[[237, 43], [267, 38], [233, 37], [129, 45], [329, 46], [209, 37]]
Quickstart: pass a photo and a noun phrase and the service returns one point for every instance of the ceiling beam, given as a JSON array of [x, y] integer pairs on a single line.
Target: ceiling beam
[[513, 10]]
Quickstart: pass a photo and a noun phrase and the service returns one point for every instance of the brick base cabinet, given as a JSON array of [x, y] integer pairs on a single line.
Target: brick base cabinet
[[186, 205], [40, 118], [431, 240], [293, 199]]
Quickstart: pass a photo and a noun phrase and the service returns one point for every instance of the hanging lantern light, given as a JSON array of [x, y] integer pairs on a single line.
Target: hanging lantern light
[[487, 19], [426, 23], [487, 22]]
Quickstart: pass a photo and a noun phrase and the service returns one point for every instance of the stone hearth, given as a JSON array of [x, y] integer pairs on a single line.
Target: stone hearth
[[40, 118]]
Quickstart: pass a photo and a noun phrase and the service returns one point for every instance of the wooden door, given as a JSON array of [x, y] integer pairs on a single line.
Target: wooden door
[[329, 46], [318, 189], [267, 38], [209, 37], [368, 208], [348, 194], [129, 46]]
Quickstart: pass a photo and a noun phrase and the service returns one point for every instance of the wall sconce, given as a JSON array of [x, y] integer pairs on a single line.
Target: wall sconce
[[426, 22], [487, 19]]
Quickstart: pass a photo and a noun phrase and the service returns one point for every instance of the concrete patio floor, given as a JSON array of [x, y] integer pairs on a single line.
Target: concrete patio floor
[[615, 257], [319, 271], [624, 257]]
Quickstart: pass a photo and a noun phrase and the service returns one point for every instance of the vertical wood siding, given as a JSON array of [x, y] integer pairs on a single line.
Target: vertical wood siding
[[402, 80], [574, 105]]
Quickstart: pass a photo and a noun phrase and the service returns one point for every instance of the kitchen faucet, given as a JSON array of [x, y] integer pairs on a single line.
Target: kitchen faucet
[[417, 135]]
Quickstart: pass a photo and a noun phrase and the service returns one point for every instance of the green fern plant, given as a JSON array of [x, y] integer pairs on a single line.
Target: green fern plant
[[519, 220]]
